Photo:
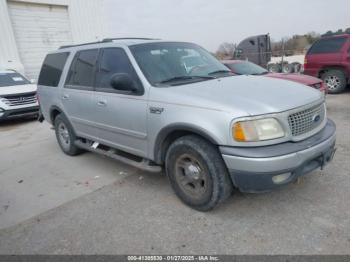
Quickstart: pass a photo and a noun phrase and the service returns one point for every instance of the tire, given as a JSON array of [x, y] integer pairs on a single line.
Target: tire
[[335, 81], [274, 68], [287, 68], [65, 136], [197, 173], [296, 67]]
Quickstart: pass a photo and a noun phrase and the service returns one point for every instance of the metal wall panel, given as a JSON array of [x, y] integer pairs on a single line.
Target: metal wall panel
[[34, 27], [87, 20], [38, 29], [9, 58]]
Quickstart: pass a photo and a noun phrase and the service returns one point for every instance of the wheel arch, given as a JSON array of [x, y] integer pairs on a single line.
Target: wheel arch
[[170, 133], [54, 111], [332, 67]]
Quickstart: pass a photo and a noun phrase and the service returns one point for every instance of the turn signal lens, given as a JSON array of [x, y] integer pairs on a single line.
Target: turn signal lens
[[238, 132]]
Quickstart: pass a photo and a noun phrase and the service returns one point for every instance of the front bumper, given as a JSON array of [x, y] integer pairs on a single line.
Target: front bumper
[[19, 113], [253, 169]]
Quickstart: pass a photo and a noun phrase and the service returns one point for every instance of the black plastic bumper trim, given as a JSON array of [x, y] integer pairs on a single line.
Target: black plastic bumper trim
[[262, 182], [20, 112]]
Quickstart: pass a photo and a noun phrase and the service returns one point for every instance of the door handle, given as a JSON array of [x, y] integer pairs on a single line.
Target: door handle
[[102, 103], [65, 96]]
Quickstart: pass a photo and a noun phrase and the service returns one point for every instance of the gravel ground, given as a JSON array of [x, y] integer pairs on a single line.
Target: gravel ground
[[125, 211]]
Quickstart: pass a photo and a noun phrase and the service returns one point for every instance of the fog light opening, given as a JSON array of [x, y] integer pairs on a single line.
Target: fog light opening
[[279, 179]]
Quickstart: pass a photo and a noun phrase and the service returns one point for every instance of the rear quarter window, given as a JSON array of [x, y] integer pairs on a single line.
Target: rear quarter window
[[52, 68], [82, 69], [327, 45]]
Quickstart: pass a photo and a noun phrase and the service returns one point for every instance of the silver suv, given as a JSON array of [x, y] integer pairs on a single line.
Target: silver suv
[[136, 101]]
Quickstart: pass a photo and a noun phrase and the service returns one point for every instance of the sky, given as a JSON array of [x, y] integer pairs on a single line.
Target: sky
[[212, 22]]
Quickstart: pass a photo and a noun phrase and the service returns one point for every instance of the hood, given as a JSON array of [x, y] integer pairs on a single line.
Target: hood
[[18, 89], [302, 79], [241, 95]]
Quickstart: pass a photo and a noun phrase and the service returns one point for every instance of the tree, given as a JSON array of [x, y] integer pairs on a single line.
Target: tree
[[293, 45], [226, 50], [328, 33], [339, 32]]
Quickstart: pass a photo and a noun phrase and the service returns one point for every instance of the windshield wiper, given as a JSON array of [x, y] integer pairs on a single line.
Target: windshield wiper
[[179, 78], [220, 71]]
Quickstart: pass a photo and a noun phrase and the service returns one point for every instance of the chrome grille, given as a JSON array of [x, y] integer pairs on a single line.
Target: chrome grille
[[306, 120], [19, 99]]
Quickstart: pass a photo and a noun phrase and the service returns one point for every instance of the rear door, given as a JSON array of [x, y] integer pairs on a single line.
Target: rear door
[[77, 95], [120, 116]]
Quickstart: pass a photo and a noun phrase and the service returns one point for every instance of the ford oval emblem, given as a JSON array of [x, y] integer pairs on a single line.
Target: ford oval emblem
[[316, 118]]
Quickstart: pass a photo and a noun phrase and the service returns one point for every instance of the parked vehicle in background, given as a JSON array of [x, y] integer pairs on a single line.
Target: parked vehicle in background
[[329, 59], [257, 49], [240, 67], [17, 96], [134, 100]]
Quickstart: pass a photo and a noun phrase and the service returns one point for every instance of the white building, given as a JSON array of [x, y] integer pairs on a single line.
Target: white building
[[31, 28]]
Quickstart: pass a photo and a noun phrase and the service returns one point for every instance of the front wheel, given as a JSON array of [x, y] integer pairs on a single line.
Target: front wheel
[[197, 173]]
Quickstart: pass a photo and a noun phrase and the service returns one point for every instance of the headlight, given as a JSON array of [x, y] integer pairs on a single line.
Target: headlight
[[257, 130]]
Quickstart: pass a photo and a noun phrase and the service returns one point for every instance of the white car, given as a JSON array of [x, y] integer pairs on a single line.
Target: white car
[[17, 96]]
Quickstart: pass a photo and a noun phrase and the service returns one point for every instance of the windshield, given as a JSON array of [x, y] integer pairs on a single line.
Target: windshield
[[174, 63], [246, 68], [12, 79]]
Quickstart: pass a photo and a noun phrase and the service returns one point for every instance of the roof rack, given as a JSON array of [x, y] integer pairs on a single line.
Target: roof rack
[[128, 38], [107, 40], [67, 46]]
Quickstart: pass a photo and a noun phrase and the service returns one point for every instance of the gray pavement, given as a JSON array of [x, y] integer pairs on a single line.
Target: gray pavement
[[54, 204]]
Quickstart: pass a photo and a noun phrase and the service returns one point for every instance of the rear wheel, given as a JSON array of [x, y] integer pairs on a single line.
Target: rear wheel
[[335, 81], [287, 68], [197, 173], [65, 136], [274, 68], [297, 67]]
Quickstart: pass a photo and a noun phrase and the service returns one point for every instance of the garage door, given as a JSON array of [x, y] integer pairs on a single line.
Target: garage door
[[38, 29]]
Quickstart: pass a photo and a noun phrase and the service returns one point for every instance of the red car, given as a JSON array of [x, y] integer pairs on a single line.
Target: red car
[[241, 67], [329, 59]]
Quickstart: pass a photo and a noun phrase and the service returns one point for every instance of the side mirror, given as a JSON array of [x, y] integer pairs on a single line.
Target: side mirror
[[123, 82], [32, 81]]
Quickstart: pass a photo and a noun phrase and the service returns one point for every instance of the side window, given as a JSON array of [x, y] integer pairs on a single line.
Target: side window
[[52, 68], [82, 70], [114, 61], [328, 45]]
